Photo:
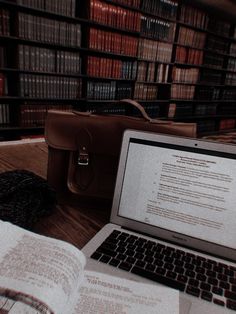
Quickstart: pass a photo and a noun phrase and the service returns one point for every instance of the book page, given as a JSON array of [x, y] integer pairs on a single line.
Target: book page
[[34, 267], [105, 294]]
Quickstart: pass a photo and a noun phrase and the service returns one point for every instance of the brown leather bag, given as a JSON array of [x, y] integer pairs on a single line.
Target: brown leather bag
[[84, 147]]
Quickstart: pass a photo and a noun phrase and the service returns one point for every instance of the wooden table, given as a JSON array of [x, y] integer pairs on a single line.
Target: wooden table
[[73, 220]]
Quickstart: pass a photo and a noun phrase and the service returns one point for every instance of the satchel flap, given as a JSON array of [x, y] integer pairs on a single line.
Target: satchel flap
[[68, 131]]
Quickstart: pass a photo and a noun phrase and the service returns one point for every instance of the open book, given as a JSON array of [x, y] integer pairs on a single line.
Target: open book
[[44, 275]]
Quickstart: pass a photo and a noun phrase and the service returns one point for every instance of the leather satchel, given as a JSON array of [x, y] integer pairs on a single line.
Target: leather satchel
[[84, 147]]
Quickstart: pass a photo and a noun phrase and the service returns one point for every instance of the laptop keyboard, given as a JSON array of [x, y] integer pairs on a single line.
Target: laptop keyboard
[[195, 275]]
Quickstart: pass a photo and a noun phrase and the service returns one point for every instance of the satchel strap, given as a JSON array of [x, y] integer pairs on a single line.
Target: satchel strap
[[132, 102]]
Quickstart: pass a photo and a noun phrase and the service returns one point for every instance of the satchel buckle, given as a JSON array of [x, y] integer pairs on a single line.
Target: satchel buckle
[[83, 159]]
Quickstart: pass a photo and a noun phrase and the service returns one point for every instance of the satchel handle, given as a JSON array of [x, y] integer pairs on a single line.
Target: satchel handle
[[133, 103]]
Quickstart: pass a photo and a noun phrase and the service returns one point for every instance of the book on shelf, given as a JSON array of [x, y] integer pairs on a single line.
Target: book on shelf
[[185, 75], [4, 115], [232, 64], [205, 126], [4, 22], [232, 51], [3, 85], [227, 124], [157, 28], [207, 93], [112, 42], [48, 86], [193, 16], [114, 15], [33, 58], [219, 27], [213, 60], [45, 30], [188, 55], [144, 91], [180, 110], [179, 91], [211, 77], [63, 7], [190, 37], [44, 275], [34, 114], [230, 79], [154, 50], [111, 68], [205, 109], [217, 44], [164, 8], [229, 94]]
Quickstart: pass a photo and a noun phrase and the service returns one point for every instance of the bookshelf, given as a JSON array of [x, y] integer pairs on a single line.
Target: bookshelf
[[175, 58]]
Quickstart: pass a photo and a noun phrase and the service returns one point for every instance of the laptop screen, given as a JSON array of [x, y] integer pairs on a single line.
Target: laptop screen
[[185, 189]]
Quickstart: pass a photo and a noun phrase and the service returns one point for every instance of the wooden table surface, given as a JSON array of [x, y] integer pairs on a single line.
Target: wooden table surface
[[72, 220]]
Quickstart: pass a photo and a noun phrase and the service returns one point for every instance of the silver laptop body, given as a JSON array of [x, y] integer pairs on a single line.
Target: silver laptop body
[[178, 192]]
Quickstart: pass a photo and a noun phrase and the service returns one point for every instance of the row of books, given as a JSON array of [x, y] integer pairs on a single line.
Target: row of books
[[154, 50], [180, 110], [188, 55], [190, 37], [111, 68], [34, 114], [206, 126], [232, 51], [230, 79], [114, 16], [212, 77], [229, 94], [185, 75], [182, 91], [217, 44], [112, 42], [194, 16], [45, 86], [157, 28], [108, 90], [4, 115], [227, 124], [145, 92], [213, 60], [207, 93], [40, 59], [219, 27], [231, 64], [2, 57], [129, 3], [64, 7], [152, 72], [164, 8], [3, 85], [4, 22], [48, 30]]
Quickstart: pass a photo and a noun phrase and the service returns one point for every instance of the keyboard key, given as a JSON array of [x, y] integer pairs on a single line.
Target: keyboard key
[[114, 262], [105, 259], [182, 278], [96, 255], [206, 296], [230, 295], [219, 302], [217, 290], [140, 263], [130, 260], [205, 286]]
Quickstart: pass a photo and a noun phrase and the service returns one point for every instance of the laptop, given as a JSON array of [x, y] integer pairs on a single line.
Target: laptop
[[173, 220]]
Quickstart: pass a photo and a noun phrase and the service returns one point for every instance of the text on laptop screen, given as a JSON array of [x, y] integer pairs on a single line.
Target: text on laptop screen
[[185, 190]]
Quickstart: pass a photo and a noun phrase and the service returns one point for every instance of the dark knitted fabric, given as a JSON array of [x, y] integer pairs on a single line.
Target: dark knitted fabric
[[24, 197]]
